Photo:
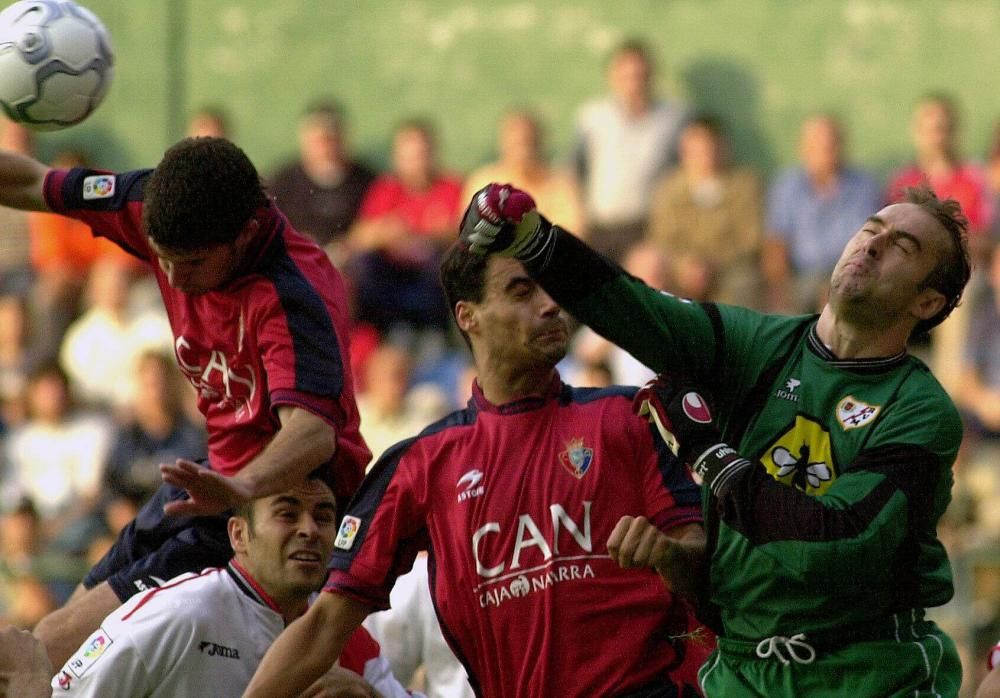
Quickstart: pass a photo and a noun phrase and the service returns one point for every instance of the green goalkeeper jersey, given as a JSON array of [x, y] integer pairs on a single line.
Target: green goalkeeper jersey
[[833, 528]]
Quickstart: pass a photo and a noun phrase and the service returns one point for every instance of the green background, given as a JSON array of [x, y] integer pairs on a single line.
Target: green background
[[760, 65]]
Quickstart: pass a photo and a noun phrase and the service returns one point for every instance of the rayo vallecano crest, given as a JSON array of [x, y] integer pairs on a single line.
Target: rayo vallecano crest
[[852, 413], [577, 458]]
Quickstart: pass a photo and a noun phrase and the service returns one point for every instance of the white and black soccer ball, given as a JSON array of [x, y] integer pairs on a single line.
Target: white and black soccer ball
[[55, 63]]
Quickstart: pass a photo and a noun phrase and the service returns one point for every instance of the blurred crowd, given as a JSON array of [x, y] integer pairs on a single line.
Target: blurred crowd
[[91, 401]]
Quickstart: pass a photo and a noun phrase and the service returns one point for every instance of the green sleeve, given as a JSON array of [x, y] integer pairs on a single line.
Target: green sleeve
[[662, 331]]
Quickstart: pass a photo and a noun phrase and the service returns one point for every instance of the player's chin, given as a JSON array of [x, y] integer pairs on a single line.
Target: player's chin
[[308, 571]]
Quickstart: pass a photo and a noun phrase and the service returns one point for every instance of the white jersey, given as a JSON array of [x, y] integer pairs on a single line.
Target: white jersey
[[197, 635], [411, 637]]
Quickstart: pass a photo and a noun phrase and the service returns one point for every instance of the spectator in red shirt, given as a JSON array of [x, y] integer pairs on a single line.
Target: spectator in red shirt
[[407, 218], [940, 165]]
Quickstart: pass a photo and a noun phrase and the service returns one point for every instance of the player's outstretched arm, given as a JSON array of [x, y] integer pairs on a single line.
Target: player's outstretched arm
[[304, 442], [21, 182], [307, 648], [658, 329]]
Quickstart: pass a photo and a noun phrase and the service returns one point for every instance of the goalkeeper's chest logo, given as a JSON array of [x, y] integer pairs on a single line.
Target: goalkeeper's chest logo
[[852, 413], [802, 457]]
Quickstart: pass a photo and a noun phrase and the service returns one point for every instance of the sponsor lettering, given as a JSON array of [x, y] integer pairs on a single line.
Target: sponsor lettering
[[788, 393], [231, 386], [524, 585], [214, 650], [472, 488], [529, 535]]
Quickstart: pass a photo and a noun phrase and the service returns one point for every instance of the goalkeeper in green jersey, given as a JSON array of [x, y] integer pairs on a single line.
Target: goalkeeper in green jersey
[[825, 449]]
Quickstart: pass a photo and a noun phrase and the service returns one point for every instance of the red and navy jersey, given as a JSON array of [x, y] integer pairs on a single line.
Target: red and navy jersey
[[515, 504], [275, 335]]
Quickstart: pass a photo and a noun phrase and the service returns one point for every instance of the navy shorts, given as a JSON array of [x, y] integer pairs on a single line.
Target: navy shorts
[[156, 547]]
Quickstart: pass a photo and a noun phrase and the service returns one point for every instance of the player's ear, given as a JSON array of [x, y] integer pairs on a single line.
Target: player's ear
[[927, 304], [248, 233], [239, 533], [465, 316]]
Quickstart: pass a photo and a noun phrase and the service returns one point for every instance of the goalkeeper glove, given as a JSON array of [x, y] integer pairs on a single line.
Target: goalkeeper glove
[[682, 416], [504, 220]]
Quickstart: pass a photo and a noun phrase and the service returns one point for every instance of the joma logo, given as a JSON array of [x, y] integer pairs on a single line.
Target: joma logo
[[213, 650]]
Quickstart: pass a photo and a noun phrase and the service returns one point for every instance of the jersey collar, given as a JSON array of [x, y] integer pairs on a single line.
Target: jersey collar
[[526, 404], [877, 365], [250, 586]]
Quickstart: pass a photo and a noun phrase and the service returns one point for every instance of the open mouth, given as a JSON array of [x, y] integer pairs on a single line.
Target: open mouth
[[305, 556]]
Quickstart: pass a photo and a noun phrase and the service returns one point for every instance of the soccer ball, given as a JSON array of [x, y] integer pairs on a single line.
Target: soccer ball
[[55, 63]]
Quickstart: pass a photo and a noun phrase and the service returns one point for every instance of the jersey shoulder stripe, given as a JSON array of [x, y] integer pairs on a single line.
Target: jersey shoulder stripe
[[319, 361], [173, 584]]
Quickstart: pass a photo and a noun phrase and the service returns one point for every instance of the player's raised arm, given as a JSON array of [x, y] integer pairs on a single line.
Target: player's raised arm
[[650, 325], [304, 442], [21, 181], [308, 647]]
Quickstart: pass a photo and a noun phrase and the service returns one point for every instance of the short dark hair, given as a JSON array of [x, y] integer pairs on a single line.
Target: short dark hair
[[422, 125], [943, 100], [951, 273], [329, 111], [201, 195], [635, 46], [708, 122], [463, 277], [48, 368]]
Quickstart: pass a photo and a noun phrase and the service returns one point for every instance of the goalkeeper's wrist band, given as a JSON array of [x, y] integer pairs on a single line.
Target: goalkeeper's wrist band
[[718, 465], [535, 250]]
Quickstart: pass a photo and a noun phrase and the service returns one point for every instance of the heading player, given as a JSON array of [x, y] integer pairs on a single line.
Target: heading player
[[514, 497], [206, 632], [259, 317], [825, 505]]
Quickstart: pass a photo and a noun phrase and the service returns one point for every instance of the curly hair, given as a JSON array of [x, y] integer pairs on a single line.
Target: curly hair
[[201, 195]]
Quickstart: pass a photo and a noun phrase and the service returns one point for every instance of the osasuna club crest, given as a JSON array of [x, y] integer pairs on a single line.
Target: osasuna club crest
[[577, 458], [852, 413]]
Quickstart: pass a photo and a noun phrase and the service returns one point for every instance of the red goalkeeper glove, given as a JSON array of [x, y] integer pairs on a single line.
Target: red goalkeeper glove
[[504, 220]]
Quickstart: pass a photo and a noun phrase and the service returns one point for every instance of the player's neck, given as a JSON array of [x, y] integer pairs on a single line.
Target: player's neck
[[856, 340], [290, 606], [292, 609], [500, 386]]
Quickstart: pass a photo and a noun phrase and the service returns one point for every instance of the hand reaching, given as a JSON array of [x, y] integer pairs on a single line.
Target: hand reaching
[[209, 492]]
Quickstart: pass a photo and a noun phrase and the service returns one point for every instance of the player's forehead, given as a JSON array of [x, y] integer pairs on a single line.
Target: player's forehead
[[308, 495], [500, 272], [911, 218]]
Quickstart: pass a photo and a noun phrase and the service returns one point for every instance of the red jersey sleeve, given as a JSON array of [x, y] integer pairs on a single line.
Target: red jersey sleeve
[[384, 529], [672, 497], [111, 204]]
